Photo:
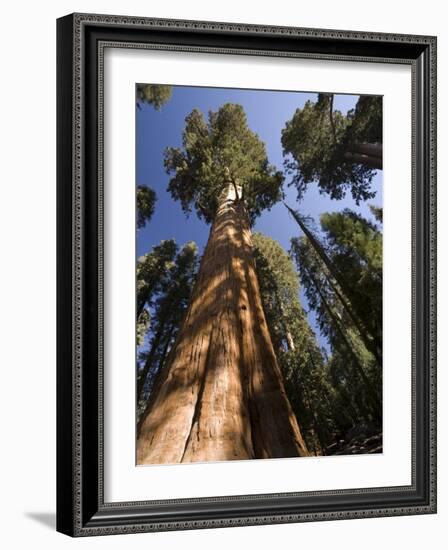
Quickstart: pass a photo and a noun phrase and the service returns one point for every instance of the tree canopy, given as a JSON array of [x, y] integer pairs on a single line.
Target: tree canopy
[[349, 310], [217, 153], [337, 152], [152, 269], [279, 286], [168, 309], [153, 94], [146, 200], [299, 356], [357, 252], [365, 121], [339, 277]]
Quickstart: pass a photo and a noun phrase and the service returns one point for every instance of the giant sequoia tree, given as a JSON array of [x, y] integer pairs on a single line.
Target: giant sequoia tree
[[337, 152], [221, 394]]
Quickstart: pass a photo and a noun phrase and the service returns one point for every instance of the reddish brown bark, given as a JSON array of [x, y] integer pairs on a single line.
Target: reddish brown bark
[[221, 396]]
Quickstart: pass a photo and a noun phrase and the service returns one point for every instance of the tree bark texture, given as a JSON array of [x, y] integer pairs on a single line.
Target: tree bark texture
[[369, 154], [221, 394]]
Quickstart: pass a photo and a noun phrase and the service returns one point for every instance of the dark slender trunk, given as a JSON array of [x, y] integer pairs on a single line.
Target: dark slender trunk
[[142, 299], [315, 421], [374, 150], [144, 295], [369, 154], [370, 341], [323, 439], [333, 127], [149, 363], [139, 306], [375, 400], [221, 395], [159, 378], [168, 340], [320, 251]]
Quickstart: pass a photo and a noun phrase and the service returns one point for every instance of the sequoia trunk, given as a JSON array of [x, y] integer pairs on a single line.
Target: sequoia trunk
[[221, 396]]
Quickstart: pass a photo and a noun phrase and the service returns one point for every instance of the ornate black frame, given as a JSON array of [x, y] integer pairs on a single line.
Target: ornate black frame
[[81, 39]]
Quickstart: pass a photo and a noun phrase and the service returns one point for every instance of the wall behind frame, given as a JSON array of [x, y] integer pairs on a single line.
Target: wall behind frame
[[27, 278]]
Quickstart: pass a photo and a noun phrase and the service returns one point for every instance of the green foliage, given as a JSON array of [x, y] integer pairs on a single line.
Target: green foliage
[[365, 121], [350, 403], [342, 287], [216, 154], [357, 251], [279, 286], [346, 365], [310, 393], [300, 359], [143, 324], [168, 310], [152, 268], [354, 247], [377, 213], [146, 200], [317, 140], [153, 94]]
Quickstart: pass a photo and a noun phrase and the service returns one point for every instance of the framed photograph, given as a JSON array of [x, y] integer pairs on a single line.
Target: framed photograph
[[246, 274]]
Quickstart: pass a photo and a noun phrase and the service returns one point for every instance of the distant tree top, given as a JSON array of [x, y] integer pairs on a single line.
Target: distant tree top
[[153, 94], [146, 200], [217, 153]]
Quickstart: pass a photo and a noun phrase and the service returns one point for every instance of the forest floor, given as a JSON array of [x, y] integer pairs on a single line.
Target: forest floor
[[361, 439]]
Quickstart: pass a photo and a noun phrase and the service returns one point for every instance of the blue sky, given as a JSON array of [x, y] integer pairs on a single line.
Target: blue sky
[[267, 113]]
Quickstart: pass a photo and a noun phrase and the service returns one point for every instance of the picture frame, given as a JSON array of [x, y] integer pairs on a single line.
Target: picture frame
[[81, 507]]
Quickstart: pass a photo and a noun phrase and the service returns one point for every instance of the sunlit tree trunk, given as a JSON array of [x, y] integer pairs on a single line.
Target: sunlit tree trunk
[[287, 332], [221, 395]]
